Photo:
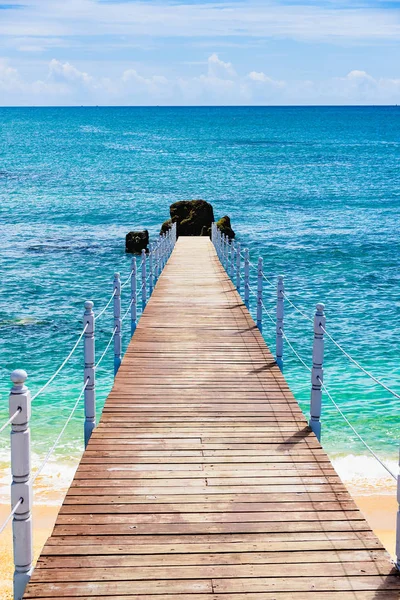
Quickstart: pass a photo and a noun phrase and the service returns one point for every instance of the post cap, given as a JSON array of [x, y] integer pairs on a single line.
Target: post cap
[[280, 277], [89, 305], [320, 307], [19, 376], [116, 275]]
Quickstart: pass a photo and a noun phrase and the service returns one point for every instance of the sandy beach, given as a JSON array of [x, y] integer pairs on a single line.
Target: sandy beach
[[379, 510]]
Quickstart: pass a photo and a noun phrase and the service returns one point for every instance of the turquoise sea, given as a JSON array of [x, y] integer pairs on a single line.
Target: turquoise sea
[[314, 191]]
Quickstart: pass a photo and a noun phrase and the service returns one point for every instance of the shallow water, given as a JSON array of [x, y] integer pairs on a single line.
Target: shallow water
[[314, 191]]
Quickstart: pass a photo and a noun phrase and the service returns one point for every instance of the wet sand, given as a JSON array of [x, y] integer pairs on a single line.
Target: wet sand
[[379, 510]]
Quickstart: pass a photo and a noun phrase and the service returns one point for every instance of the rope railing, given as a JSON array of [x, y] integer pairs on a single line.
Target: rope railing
[[11, 514], [58, 438], [355, 431], [60, 368], [355, 362], [296, 308], [226, 252], [106, 348], [10, 420], [289, 343], [126, 313], [101, 313], [20, 399]]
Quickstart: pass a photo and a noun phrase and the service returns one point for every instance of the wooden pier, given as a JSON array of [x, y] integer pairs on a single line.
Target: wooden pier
[[202, 480]]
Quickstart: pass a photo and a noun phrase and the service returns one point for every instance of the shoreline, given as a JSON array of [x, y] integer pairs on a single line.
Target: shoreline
[[378, 509]]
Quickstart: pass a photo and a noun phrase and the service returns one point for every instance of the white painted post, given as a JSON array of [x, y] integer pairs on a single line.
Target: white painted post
[[279, 321], [398, 523], [226, 253], [259, 292], [317, 373], [213, 232], [156, 253], [238, 266], [144, 294], [161, 261], [233, 260], [246, 278], [117, 323], [133, 297], [89, 372], [21, 487], [151, 268]]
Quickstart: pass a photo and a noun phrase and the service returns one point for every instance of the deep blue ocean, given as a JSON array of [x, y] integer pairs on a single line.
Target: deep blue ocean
[[314, 191]]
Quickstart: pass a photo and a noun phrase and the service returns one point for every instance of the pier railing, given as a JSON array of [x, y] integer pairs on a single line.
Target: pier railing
[[140, 284], [141, 281], [238, 266]]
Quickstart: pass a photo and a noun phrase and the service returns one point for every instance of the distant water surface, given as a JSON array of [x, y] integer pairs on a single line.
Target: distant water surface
[[314, 191]]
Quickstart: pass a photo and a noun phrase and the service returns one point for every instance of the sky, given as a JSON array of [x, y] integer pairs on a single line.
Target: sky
[[199, 52]]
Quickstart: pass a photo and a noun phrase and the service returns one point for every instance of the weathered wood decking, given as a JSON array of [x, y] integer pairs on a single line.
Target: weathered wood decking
[[202, 480]]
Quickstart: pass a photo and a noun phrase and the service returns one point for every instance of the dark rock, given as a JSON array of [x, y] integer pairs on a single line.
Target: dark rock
[[224, 225], [166, 226], [136, 241], [192, 217]]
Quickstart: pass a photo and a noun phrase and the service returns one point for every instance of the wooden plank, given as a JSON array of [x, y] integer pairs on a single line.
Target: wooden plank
[[323, 570], [203, 480]]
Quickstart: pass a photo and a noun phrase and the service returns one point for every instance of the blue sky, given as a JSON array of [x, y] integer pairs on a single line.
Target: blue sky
[[73, 52]]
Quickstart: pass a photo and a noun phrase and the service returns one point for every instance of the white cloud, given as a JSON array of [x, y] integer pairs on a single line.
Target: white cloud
[[238, 18], [9, 77], [219, 69], [260, 77], [66, 73], [65, 83]]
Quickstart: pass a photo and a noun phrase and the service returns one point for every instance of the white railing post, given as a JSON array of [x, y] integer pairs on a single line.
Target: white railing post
[[213, 232], [317, 372], [161, 255], [246, 278], [117, 323], [89, 372], [233, 260], [238, 266], [21, 487], [156, 246], [226, 252], [133, 296], [398, 523], [151, 268], [259, 292], [159, 249], [144, 294], [279, 321]]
